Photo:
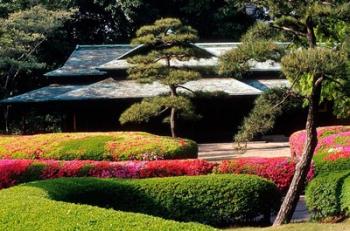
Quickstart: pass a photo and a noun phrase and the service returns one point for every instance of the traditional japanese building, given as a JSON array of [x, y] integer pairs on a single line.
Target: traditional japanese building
[[91, 90]]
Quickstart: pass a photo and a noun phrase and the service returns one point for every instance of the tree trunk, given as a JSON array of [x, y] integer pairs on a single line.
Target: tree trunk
[[302, 168], [173, 113]]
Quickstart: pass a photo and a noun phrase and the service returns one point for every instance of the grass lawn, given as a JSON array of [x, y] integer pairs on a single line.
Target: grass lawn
[[343, 226]]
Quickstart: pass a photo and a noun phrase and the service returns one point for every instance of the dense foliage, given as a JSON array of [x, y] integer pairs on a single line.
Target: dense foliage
[[96, 146], [279, 170], [216, 199], [13, 172]]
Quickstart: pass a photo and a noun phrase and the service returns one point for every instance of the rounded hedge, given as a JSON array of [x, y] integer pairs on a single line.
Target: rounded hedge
[[114, 146], [328, 196], [216, 200]]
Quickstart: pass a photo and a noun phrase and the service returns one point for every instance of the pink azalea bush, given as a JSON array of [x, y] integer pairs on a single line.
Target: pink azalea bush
[[17, 171], [332, 151], [280, 170], [297, 139]]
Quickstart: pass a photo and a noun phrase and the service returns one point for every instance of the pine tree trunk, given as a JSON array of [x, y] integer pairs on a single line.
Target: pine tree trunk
[[172, 122], [173, 114], [302, 168]]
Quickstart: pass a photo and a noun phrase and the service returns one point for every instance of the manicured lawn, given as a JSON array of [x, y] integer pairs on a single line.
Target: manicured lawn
[[343, 226]]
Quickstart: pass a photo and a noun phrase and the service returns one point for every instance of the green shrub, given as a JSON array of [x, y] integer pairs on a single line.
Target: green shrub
[[97, 146], [323, 195], [215, 199]]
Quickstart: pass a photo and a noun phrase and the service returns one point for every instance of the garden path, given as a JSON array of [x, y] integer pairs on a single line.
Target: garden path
[[226, 151]]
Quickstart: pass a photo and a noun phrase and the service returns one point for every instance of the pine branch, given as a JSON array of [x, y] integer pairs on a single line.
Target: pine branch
[[288, 29]]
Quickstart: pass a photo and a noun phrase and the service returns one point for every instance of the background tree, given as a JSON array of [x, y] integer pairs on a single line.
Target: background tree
[[21, 35], [316, 73], [165, 41]]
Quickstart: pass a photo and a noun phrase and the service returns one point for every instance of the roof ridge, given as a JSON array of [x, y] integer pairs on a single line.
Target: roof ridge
[[84, 46]]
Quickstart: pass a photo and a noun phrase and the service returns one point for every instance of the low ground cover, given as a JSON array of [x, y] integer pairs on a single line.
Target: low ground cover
[[215, 199], [114, 146]]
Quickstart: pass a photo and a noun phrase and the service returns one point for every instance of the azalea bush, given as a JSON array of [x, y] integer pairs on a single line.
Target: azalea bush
[[332, 152], [114, 146], [18, 171], [297, 139], [218, 200], [279, 170]]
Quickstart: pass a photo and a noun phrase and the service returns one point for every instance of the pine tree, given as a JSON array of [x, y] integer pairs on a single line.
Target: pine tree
[[317, 70], [165, 41]]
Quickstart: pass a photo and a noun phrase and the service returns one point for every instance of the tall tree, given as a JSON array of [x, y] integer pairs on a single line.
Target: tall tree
[[316, 73], [165, 41]]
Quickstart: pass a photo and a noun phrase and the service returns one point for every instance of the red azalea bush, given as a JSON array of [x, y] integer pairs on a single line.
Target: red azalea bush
[[10, 170], [17, 171], [280, 170]]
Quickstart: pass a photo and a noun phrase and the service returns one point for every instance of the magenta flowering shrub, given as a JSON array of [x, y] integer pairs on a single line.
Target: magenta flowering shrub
[[10, 170], [280, 170], [332, 151], [17, 171], [297, 139]]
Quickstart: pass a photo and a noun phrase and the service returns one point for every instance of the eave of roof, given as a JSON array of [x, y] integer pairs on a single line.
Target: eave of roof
[[111, 89]]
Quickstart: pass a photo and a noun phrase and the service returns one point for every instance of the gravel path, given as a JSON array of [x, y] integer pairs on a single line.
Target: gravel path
[[226, 151]]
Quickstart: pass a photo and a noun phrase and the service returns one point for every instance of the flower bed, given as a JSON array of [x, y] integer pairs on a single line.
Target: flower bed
[[18, 171], [218, 200], [114, 146], [279, 170]]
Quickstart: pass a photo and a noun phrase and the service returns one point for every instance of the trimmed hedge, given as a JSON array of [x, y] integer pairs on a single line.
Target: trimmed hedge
[[280, 170], [31, 207], [327, 197], [215, 199], [13, 172], [114, 146]]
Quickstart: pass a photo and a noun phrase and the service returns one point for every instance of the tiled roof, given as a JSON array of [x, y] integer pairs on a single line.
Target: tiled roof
[[116, 89], [85, 59]]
